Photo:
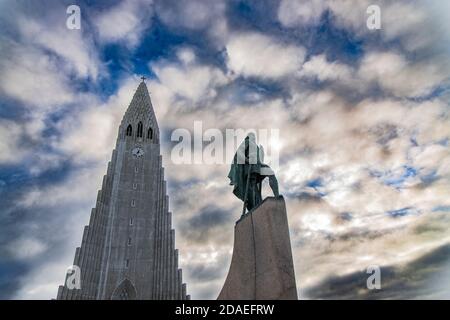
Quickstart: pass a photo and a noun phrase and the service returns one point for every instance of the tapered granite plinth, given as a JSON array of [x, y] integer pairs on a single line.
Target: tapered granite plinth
[[261, 266]]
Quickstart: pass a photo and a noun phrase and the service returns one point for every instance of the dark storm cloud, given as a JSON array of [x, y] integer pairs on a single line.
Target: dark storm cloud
[[10, 276], [200, 227], [435, 225], [383, 133], [361, 234], [425, 277], [209, 217], [31, 236], [346, 216], [307, 196], [209, 272]]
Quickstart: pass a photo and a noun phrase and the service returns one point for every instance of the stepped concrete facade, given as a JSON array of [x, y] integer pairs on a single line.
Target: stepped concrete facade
[[128, 248], [261, 266]]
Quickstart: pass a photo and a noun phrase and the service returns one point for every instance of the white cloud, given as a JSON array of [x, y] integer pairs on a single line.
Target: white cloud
[[254, 54], [33, 78], [124, 22], [42, 282], [193, 83], [187, 80], [77, 188], [413, 23], [192, 14], [389, 70], [45, 275], [292, 13], [186, 55], [10, 150], [75, 48], [400, 77], [319, 67], [204, 15], [96, 119], [26, 248], [77, 134]]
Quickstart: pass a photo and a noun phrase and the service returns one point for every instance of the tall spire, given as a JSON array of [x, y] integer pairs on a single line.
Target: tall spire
[[141, 107]]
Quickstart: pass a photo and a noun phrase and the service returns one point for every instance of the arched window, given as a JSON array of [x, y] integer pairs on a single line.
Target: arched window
[[129, 130], [126, 290], [139, 130], [150, 133]]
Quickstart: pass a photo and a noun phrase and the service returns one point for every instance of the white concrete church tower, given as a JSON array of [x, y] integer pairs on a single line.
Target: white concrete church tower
[[128, 248]]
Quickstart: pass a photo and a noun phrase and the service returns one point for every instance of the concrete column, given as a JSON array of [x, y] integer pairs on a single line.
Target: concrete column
[[60, 293], [89, 259], [165, 246], [84, 259], [179, 281], [100, 230], [170, 277], [183, 291], [98, 249], [155, 247], [161, 231], [95, 243], [71, 295], [173, 268], [159, 234], [95, 232]]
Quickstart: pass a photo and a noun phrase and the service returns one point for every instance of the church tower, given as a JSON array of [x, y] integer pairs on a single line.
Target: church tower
[[128, 248]]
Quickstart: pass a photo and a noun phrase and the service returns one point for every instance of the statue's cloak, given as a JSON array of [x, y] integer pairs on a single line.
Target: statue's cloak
[[248, 155]]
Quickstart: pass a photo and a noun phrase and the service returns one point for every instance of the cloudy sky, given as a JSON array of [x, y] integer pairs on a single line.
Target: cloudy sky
[[363, 118]]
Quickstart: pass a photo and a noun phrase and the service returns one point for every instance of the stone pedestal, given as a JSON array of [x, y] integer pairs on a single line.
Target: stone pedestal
[[262, 267]]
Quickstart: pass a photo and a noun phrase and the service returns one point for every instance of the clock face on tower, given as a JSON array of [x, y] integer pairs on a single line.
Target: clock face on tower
[[137, 152]]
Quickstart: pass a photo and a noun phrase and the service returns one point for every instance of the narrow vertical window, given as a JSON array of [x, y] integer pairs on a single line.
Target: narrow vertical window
[[150, 134], [127, 263], [139, 130], [129, 241], [129, 130], [131, 221], [134, 186], [133, 203], [136, 169]]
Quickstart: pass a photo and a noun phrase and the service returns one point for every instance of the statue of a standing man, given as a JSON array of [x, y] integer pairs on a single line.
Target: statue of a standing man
[[248, 171]]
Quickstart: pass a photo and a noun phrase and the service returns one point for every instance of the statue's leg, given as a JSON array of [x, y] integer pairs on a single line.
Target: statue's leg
[[273, 183]]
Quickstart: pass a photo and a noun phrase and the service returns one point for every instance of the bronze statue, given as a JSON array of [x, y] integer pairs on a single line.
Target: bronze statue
[[248, 171]]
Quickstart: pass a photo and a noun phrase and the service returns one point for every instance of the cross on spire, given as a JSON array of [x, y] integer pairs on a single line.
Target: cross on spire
[[143, 78]]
